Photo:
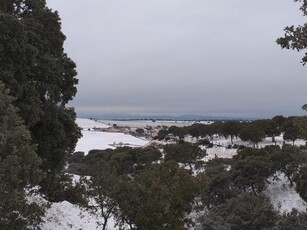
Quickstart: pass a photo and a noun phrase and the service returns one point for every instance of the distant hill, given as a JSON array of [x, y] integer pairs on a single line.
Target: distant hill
[[187, 117]]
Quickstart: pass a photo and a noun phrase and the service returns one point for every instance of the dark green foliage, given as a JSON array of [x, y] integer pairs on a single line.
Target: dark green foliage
[[177, 131], [183, 153], [122, 161], [195, 130], [279, 121], [220, 185], [163, 134], [140, 131], [288, 160], [295, 37], [250, 173], [215, 128], [128, 160], [158, 197], [292, 221], [246, 172], [253, 133], [40, 76], [271, 128], [291, 131], [60, 187], [242, 212], [301, 124], [103, 188], [231, 128], [18, 168], [205, 142], [301, 182]]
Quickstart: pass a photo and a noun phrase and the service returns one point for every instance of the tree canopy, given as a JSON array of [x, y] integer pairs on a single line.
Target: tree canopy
[[40, 76], [18, 168]]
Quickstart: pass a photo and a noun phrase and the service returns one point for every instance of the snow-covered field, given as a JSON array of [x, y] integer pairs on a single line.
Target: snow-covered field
[[66, 216], [102, 140]]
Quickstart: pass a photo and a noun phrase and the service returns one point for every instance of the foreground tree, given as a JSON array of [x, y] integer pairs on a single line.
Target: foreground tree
[[158, 198], [40, 76], [250, 170], [18, 169]]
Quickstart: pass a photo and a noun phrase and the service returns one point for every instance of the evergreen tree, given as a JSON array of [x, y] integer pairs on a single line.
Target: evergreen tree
[[231, 128], [185, 152], [220, 185], [251, 173], [291, 130], [253, 133], [158, 198], [40, 76], [18, 168]]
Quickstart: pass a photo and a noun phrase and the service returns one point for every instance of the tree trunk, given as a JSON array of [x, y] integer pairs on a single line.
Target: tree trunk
[[190, 165], [254, 190], [291, 182], [105, 223]]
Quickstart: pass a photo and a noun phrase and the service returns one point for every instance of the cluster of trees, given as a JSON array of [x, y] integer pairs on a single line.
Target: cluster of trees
[[144, 189], [137, 186], [37, 129], [235, 187], [293, 128]]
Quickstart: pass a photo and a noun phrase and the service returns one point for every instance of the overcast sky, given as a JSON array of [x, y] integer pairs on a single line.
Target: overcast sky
[[206, 57]]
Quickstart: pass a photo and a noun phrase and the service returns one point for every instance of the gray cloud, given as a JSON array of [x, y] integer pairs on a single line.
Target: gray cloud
[[215, 57]]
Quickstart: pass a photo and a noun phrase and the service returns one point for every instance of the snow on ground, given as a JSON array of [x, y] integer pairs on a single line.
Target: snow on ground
[[67, 216], [103, 140], [219, 152], [283, 197], [64, 215]]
